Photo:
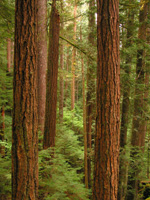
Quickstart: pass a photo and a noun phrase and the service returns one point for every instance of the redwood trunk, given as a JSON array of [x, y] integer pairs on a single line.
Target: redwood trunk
[[25, 122], [42, 61], [106, 166], [51, 81]]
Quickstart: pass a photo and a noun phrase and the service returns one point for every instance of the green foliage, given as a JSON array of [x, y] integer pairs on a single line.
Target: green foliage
[[5, 170], [60, 175]]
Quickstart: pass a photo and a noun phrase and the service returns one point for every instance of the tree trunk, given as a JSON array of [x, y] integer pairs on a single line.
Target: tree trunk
[[73, 62], [61, 80], [90, 104], [51, 81], [25, 121], [106, 166], [125, 109], [42, 61], [66, 79], [138, 112]]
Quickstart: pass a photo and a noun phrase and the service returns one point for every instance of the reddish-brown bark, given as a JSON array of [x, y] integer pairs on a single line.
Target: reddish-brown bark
[[106, 166], [52, 74], [42, 61], [25, 122]]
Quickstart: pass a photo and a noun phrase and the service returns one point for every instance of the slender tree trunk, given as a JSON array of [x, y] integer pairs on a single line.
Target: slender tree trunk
[[90, 104], [51, 81], [73, 61], [61, 80], [106, 168], [125, 110], [8, 54], [66, 79], [138, 111], [42, 61], [84, 119], [25, 121]]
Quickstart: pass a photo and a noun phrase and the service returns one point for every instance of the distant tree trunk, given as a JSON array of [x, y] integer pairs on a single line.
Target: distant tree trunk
[[125, 109], [25, 121], [106, 168], [42, 61], [2, 129], [8, 54], [51, 81], [66, 79], [84, 119], [138, 111], [73, 61], [90, 104], [61, 80]]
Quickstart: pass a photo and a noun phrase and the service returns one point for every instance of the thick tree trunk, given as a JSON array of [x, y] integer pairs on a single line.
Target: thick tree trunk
[[137, 132], [73, 62], [42, 61], [90, 104], [106, 166], [51, 81], [25, 122], [125, 110]]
